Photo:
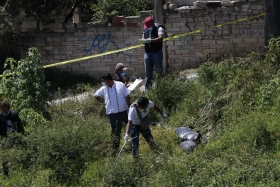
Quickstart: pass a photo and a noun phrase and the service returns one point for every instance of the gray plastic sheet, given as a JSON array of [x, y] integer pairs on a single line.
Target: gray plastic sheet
[[188, 137], [187, 145], [186, 133]]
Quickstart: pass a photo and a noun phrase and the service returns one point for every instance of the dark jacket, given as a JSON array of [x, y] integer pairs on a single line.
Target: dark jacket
[[13, 118], [152, 47]]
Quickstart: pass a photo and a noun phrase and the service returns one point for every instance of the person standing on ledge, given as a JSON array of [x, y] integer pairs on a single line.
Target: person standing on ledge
[[153, 57]]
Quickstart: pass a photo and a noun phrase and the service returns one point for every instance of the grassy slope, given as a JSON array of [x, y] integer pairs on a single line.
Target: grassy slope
[[234, 104]]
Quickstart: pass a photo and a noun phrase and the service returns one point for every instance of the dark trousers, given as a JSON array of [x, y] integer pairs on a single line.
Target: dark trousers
[[116, 121], [134, 133]]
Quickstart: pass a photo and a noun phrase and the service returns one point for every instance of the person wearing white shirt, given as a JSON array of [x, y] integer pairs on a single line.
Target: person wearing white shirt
[[133, 126], [116, 98]]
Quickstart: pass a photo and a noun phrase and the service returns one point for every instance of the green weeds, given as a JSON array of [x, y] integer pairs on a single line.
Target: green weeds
[[234, 104]]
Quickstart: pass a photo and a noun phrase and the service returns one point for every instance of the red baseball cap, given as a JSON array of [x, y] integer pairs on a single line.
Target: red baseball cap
[[148, 22]]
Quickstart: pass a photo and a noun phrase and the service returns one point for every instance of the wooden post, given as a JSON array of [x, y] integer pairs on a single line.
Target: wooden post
[[158, 12], [272, 24]]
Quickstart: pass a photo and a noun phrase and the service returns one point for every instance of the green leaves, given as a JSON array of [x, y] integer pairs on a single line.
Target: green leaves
[[105, 10], [273, 52], [23, 82]]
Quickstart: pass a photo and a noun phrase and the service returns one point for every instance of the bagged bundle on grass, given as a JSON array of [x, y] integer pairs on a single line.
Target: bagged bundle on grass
[[186, 133], [188, 137], [187, 145]]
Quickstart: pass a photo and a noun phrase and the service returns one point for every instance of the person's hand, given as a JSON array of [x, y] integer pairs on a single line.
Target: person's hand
[[145, 41], [126, 137], [164, 116]]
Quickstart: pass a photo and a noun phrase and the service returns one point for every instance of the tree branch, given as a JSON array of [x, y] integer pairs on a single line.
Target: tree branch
[[70, 15]]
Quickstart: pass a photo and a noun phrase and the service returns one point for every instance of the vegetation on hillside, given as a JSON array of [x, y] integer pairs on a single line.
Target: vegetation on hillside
[[105, 10], [48, 12], [42, 11], [234, 104]]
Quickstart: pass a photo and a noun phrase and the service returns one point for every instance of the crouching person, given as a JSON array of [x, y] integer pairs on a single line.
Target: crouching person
[[10, 121], [134, 128]]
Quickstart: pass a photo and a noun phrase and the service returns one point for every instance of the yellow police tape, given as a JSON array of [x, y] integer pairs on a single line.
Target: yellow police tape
[[140, 45]]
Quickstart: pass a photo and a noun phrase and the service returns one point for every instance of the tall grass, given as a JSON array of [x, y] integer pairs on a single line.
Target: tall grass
[[234, 104]]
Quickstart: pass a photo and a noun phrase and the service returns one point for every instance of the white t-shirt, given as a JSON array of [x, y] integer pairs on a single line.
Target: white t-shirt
[[114, 97], [160, 30], [133, 116]]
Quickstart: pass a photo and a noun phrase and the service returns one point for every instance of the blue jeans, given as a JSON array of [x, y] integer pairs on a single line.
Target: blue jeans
[[116, 121], [134, 133], [152, 59]]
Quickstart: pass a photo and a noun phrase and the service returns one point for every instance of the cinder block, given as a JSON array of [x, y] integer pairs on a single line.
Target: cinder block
[[240, 50], [66, 43], [173, 16], [180, 24], [246, 40], [118, 19], [173, 29], [59, 30], [121, 24], [257, 7], [208, 42], [237, 40], [78, 70], [209, 51], [45, 62], [217, 46], [261, 40], [68, 30], [49, 48], [105, 69], [128, 24]]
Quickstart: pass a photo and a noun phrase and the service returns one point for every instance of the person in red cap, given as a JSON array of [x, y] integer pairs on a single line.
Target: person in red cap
[[152, 39], [120, 74]]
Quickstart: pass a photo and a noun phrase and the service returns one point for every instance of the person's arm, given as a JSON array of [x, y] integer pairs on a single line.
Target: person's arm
[[126, 136], [127, 129], [158, 39], [98, 95], [21, 127], [17, 120], [158, 109], [127, 98], [127, 79], [163, 115], [99, 99], [126, 95]]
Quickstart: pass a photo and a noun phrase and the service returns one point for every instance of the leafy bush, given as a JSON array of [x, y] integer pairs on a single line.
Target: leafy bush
[[23, 82], [273, 52], [105, 10], [168, 91], [31, 119]]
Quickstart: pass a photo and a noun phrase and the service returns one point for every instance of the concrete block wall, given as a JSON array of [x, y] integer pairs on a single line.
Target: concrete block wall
[[241, 37], [74, 41]]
